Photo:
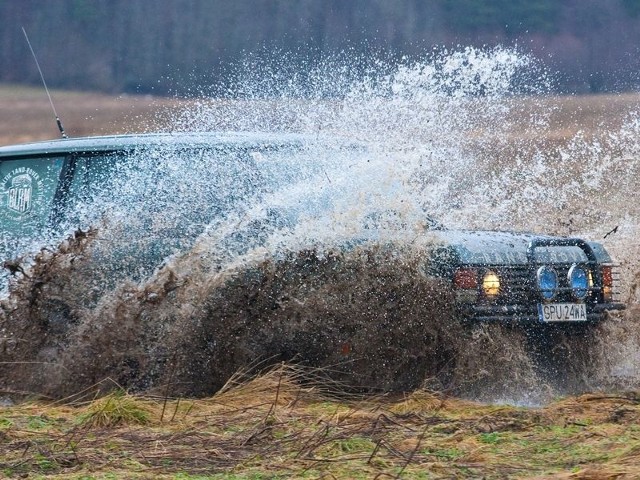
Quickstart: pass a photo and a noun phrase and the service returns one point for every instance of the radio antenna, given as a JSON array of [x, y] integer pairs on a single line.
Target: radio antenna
[[60, 127]]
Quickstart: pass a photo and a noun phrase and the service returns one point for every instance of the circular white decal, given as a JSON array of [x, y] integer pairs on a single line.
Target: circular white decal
[[23, 191]]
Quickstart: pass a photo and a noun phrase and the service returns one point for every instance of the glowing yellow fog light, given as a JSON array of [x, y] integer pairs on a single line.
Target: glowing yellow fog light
[[490, 284]]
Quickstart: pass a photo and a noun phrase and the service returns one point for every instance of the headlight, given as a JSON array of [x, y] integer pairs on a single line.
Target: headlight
[[579, 281], [547, 282], [491, 284]]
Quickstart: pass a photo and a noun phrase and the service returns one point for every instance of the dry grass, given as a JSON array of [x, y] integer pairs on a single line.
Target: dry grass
[[27, 115], [281, 425], [115, 409]]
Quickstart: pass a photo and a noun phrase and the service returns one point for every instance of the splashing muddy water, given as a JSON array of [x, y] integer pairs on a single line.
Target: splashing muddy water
[[321, 260]]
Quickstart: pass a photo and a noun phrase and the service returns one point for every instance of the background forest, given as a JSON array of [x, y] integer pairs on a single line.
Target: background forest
[[177, 46]]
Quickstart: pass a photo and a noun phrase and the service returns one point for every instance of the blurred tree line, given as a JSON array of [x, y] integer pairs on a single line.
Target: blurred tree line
[[173, 46]]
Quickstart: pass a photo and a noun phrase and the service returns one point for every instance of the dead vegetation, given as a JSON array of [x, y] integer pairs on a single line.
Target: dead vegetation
[[27, 115], [285, 423]]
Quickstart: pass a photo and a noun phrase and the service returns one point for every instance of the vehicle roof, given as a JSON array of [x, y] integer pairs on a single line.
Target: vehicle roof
[[147, 140]]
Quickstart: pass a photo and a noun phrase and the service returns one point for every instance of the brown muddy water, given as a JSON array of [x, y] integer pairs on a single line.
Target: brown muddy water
[[469, 138]]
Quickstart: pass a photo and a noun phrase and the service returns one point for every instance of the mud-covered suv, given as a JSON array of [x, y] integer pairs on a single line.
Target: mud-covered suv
[[496, 276]]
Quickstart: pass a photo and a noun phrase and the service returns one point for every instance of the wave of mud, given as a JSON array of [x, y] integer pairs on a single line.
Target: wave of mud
[[368, 316], [370, 323]]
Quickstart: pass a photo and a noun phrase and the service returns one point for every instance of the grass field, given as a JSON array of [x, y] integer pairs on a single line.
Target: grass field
[[27, 114], [271, 427], [285, 423]]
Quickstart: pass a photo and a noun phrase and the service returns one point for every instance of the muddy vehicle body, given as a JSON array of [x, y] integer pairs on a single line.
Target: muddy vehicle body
[[496, 276]]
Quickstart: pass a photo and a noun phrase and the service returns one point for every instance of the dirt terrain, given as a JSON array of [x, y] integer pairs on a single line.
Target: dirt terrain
[[299, 422]]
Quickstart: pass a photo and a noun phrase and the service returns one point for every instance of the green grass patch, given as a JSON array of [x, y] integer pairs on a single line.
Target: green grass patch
[[444, 454], [5, 423], [114, 410]]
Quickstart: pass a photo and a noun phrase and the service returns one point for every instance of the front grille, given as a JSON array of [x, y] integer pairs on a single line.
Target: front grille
[[617, 284], [518, 285]]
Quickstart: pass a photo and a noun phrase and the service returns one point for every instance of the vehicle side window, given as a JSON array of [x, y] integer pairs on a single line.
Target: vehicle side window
[[89, 175], [27, 192], [93, 172]]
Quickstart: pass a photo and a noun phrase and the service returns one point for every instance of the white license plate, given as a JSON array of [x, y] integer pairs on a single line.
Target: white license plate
[[562, 312]]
